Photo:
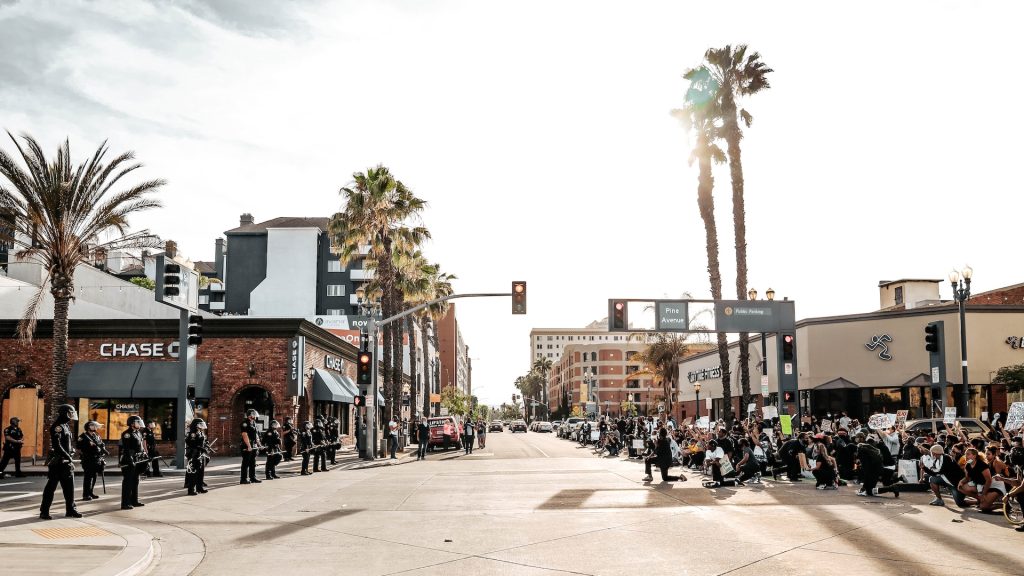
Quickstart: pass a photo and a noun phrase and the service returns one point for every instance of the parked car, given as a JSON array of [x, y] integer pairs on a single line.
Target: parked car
[[496, 426], [445, 433], [543, 427], [555, 425], [972, 426], [518, 426], [569, 426]]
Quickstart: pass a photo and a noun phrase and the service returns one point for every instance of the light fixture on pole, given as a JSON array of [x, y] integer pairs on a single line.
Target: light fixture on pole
[[770, 295], [961, 282], [696, 389]]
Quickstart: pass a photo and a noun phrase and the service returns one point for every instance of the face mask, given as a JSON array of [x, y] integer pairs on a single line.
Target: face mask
[[201, 426], [309, 426], [275, 426], [971, 462]]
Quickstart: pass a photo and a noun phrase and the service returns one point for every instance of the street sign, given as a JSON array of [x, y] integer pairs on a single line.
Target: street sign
[[789, 367], [935, 374], [670, 316], [764, 386], [754, 315]]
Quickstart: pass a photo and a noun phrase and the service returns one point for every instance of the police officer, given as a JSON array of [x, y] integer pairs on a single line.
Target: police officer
[[319, 452], [288, 435], [272, 440], [150, 436], [133, 460], [333, 436], [60, 464], [14, 438], [306, 446], [196, 456], [250, 447], [93, 449]]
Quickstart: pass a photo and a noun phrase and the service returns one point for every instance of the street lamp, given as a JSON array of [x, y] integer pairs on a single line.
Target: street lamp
[[696, 389], [961, 282], [588, 379], [770, 294]]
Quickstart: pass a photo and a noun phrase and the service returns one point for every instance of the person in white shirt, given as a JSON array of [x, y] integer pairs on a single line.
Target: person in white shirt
[[393, 437], [713, 457], [844, 422]]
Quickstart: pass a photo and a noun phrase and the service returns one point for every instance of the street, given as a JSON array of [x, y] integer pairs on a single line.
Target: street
[[535, 504]]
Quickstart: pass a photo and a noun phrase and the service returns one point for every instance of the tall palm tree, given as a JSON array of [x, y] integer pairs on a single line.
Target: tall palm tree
[[543, 367], [738, 74], [65, 210], [698, 116], [661, 359], [377, 208], [440, 286], [413, 282]]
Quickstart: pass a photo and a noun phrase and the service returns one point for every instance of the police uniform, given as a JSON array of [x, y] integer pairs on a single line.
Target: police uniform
[[288, 437], [333, 435], [305, 447], [14, 439], [93, 450], [60, 470], [196, 449], [319, 453], [249, 432], [132, 460], [150, 438], [272, 442]]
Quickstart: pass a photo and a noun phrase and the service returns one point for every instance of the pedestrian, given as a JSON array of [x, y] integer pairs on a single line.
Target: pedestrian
[[288, 438], [467, 435], [663, 453], [93, 450], [869, 462], [14, 438], [481, 433], [149, 434], [789, 453], [319, 448], [393, 437], [423, 435], [196, 449], [250, 445], [306, 446], [272, 440], [60, 464], [133, 460]]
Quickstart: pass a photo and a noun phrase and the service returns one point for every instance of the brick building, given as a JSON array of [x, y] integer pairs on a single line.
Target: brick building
[[280, 367]]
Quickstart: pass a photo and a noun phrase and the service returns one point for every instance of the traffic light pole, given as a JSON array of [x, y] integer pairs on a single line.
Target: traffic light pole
[[183, 348], [372, 438]]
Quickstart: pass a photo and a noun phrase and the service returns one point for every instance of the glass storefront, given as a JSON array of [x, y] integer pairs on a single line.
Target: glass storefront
[[113, 414]]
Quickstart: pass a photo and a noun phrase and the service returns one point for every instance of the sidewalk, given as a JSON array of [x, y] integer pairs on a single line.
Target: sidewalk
[[71, 546]]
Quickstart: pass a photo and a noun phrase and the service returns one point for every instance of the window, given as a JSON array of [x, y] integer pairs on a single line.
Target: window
[[540, 346], [204, 299], [335, 312], [334, 266], [899, 295], [550, 355], [549, 338], [335, 289]]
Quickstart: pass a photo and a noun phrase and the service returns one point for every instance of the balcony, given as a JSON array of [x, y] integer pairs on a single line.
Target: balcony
[[214, 306], [216, 286], [361, 274]]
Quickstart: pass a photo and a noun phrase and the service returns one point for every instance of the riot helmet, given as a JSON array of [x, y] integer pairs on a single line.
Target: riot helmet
[[66, 412], [200, 424], [319, 423], [252, 413], [151, 425], [15, 421], [93, 426], [307, 425], [133, 420], [274, 424]]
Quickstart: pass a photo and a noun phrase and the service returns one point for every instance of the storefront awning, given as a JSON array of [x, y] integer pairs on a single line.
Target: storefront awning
[[917, 381], [837, 384], [328, 387], [349, 385], [125, 380]]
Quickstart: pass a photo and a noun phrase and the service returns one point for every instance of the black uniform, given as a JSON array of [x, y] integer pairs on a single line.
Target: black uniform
[[150, 438], [14, 439], [319, 453], [249, 456], [133, 461], [333, 436], [305, 447], [196, 454], [60, 470], [272, 441], [288, 437], [93, 450]]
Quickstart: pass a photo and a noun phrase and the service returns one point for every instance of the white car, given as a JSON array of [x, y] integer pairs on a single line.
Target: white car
[[543, 427]]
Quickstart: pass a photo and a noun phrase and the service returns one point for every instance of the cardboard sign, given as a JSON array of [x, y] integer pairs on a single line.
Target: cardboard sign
[[787, 424], [826, 425], [752, 407], [805, 419], [1015, 417], [702, 423], [769, 412], [595, 435], [638, 444], [908, 469], [984, 416], [901, 418], [688, 421], [950, 417], [881, 421]]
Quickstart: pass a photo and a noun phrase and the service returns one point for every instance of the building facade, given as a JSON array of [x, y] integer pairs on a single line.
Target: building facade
[[550, 343], [453, 354]]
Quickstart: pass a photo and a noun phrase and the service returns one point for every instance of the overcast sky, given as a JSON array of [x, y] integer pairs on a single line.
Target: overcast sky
[[539, 133]]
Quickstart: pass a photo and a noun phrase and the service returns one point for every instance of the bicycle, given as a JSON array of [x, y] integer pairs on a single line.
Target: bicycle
[[1011, 502]]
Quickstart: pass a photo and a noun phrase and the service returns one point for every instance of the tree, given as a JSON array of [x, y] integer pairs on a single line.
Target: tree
[[543, 367], [737, 75], [143, 282], [439, 286], [412, 282], [661, 359], [376, 212], [1010, 376], [456, 401], [698, 116], [64, 211]]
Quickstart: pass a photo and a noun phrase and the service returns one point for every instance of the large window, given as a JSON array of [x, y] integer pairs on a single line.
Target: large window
[[334, 266], [113, 415], [335, 289]]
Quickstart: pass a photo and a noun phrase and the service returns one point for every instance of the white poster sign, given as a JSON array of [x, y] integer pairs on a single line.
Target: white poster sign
[[881, 421], [1015, 417], [908, 470], [950, 417], [751, 408], [769, 412], [702, 423]]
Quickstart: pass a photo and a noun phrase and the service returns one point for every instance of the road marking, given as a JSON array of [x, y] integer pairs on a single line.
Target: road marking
[[6, 484], [24, 495]]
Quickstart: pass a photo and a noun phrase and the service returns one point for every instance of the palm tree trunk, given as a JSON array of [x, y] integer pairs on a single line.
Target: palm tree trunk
[[413, 382], [59, 376], [740, 226], [397, 355], [706, 204], [387, 310], [427, 389]]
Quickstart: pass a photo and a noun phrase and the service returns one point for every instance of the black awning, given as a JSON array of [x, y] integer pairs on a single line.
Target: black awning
[[328, 387], [134, 380]]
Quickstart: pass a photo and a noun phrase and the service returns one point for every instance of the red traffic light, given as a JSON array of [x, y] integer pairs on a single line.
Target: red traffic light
[[364, 358], [788, 338], [620, 305], [519, 297]]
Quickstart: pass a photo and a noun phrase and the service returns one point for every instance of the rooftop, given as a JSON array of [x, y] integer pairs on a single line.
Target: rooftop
[[282, 222]]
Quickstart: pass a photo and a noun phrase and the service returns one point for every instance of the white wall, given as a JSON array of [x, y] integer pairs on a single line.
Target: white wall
[[289, 289]]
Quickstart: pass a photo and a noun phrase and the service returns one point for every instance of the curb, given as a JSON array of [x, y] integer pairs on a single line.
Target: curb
[[134, 559]]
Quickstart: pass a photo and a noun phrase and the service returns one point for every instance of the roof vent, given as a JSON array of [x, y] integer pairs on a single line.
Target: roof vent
[[246, 220]]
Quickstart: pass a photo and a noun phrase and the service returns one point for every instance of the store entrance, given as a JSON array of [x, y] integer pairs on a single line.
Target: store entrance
[[254, 398], [22, 401]]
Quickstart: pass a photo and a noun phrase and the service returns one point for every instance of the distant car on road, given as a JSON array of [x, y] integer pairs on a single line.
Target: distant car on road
[[543, 427], [518, 426], [972, 426], [445, 432], [496, 426]]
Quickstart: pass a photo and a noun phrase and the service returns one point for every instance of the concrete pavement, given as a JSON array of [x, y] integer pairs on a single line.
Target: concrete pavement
[[534, 504]]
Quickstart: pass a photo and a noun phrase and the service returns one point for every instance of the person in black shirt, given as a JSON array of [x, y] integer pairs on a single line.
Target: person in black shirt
[[978, 476], [319, 452], [869, 461], [789, 453], [663, 456], [149, 434], [250, 447], [60, 464], [272, 440], [288, 435], [14, 438], [306, 446], [93, 450], [133, 459], [333, 434], [196, 456], [423, 435]]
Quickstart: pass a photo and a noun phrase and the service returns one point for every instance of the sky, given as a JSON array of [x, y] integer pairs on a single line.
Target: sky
[[539, 134]]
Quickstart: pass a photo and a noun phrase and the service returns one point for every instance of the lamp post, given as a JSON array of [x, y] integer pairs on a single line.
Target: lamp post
[[696, 389], [588, 379], [370, 307], [770, 294], [961, 282]]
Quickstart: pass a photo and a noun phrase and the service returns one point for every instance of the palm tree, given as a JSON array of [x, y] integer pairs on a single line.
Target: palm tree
[[661, 360], [440, 285], [65, 210], [698, 116], [413, 282], [377, 207], [737, 75], [543, 367]]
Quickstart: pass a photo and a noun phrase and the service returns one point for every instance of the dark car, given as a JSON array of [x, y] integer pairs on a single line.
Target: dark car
[[518, 426], [496, 426]]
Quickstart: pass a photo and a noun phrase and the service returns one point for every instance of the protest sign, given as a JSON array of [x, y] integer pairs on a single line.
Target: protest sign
[[702, 422], [752, 407], [638, 444], [950, 417], [984, 416], [1015, 417], [787, 424], [908, 469], [901, 418], [769, 412], [881, 421], [826, 425], [688, 421]]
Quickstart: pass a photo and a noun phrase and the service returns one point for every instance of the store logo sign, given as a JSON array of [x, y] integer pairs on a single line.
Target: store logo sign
[[334, 363], [704, 374], [1015, 342], [141, 350], [879, 342]]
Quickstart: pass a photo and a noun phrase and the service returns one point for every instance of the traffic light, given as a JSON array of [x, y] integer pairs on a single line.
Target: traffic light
[[933, 338], [359, 401], [788, 396], [788, 342], [519, 297], [617, 319], [364, 369], [195, 330], [172, 279]]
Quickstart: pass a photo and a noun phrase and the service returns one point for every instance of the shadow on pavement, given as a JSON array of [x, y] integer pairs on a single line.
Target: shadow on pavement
[[278, 530]]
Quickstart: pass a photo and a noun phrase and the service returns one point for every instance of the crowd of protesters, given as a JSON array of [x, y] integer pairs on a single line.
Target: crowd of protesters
[[976, 472]]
